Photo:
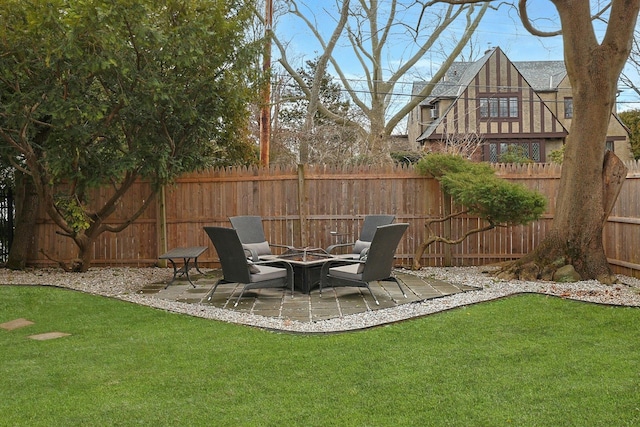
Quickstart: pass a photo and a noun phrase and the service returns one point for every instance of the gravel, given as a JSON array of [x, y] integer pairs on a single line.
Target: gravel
[[123, 283]]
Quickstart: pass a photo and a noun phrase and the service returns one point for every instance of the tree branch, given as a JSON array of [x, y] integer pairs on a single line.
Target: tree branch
[[528, 25], [472, 25], [433, 238], [133, 217]]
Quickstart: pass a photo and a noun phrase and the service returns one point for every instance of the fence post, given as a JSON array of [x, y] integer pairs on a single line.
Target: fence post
[[303, 205], [161, 226], [446, 201]]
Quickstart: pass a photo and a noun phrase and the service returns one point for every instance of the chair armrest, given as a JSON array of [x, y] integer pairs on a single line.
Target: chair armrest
[[338, 245], [280, 263], [324, 271], [340, 261], [252, 255], [280, 246]]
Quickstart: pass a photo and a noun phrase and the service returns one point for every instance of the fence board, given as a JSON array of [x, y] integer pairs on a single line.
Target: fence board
[[335, 199]]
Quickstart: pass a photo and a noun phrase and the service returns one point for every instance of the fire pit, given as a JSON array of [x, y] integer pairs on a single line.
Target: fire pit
[[305, 254], [306, 263]]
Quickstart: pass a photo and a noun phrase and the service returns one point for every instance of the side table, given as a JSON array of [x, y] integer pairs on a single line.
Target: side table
[[188, 253]]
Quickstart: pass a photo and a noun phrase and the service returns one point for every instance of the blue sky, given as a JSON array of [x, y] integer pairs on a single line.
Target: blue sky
[[501, 28]]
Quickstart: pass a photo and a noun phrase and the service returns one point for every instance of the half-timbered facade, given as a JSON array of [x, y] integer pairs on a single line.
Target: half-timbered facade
[[493, 104]]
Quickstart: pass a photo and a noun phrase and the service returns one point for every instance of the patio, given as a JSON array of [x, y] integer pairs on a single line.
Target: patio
[[278, 303]]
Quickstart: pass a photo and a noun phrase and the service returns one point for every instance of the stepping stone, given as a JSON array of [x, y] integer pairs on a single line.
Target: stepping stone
[[48, 336], [15, 324]]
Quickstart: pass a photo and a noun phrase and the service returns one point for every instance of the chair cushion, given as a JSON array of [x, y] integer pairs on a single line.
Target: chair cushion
[[360, 245], [253, 269], [268, 273], [363, 257], [261, 248], [347, 256], [347, 272]]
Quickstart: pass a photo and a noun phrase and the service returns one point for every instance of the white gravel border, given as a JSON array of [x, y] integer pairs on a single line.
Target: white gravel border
[[123, 283]]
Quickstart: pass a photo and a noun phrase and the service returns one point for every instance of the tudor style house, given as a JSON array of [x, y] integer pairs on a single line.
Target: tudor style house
[[495, 103]]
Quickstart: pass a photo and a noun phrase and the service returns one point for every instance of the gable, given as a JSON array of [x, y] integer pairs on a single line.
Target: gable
[[495, 79]]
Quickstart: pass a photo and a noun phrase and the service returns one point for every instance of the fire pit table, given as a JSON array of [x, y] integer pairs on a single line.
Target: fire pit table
[[306, 263]]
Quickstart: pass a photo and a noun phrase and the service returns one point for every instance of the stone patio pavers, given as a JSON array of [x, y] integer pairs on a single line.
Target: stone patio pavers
[[335, 302]]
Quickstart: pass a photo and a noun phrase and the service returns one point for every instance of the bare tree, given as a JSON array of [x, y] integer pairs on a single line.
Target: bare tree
[[369, 28], [322, 141], [312, 90], [633, 63], [466, 145]]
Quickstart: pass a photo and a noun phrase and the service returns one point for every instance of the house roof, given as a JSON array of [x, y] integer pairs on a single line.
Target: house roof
[[456, 79], [541, 75]]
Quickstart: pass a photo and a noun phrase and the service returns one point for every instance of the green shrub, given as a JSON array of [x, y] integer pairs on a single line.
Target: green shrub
[[557, 156], [476, 187], [438, 164]]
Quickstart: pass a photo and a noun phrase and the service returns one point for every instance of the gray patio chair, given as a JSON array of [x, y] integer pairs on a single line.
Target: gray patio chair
[[236, 268], [371, 222], [251, 233], [376, 262]]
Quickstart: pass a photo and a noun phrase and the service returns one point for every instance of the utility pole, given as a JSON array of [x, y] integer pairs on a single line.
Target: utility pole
[[265, 110]]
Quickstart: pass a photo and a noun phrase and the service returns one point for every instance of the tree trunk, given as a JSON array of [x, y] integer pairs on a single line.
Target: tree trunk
[[590, 182], [26, 213], [83, 262], [378, 144], [580, 210], [589, 185]]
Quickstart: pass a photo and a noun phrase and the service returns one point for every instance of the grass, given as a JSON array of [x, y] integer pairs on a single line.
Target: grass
[[528, 360]]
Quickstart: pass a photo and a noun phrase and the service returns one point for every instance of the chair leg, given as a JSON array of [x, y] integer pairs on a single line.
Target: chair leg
[[393, 279], [214, 289], [291, 280], [374, 297], [239, 297]]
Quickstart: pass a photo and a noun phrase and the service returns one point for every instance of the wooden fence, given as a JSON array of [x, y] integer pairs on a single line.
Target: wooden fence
[[302, 206]]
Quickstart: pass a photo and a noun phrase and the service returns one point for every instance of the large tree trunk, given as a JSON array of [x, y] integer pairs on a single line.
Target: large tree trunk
[[26, 214], [576, 235], [580, 207], [588, 186]]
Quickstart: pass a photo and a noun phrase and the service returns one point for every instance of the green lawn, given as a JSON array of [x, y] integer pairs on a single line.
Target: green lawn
[[528, 360]]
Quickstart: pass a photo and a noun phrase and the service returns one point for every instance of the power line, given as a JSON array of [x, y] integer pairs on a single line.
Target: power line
[[513, 89]]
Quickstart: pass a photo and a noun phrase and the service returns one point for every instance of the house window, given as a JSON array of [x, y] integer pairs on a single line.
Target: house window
[[568, 108], [609, 146], [530, 149], [499, 107], [435, 111]]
